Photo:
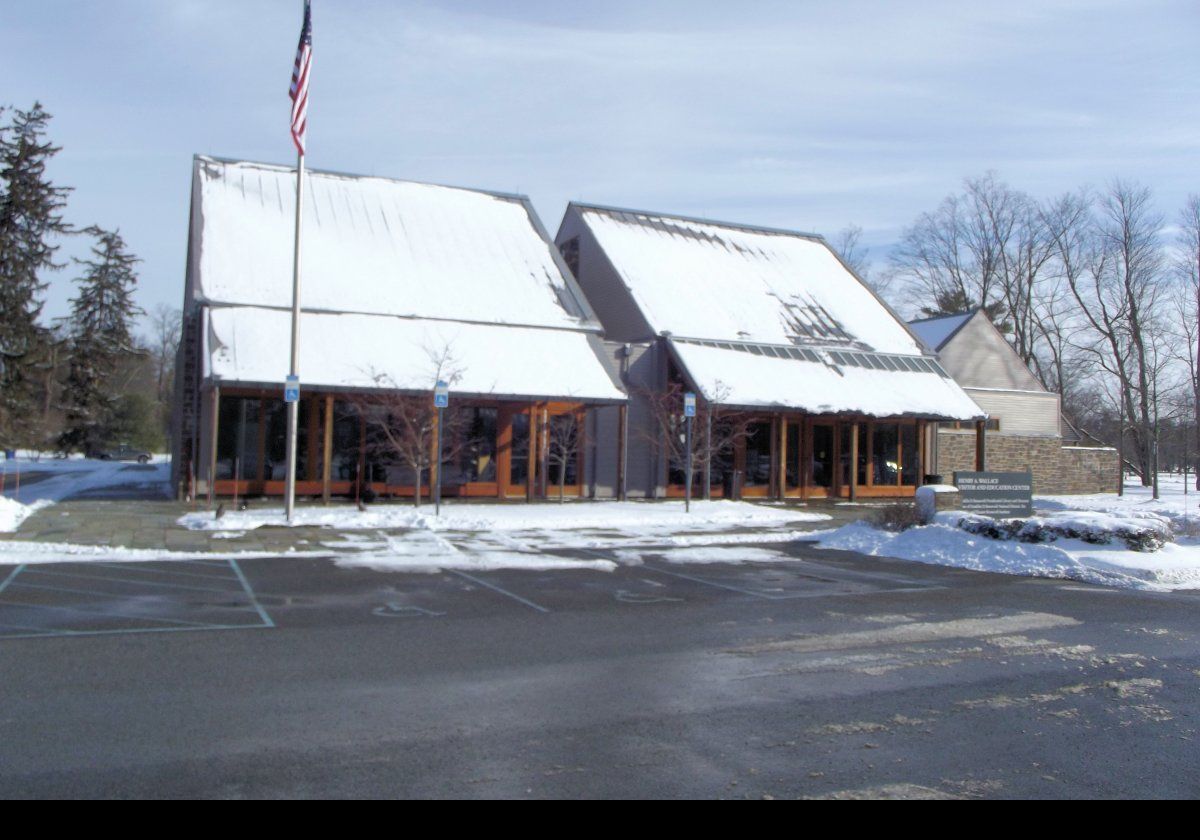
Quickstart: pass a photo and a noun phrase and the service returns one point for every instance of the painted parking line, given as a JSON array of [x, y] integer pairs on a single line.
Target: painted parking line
[[716, 584], [500, 590], [75, 599]]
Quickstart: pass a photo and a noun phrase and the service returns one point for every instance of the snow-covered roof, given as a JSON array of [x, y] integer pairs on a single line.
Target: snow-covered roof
[[377, 246], [392, 273], [702, 279], [822, 381], [248, 345], [935, 332]]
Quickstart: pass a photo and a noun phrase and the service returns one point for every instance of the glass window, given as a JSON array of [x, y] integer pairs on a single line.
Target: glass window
[[275, 416], [910, 454], [237, 438], [474, 447], [793, 455], [346, 439], [864, 454], [562, 449], [822, 455], [885, 455], [518, 470], [758, 455]]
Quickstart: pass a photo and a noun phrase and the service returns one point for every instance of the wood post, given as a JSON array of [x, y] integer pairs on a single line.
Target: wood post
[[854, 461], [327, 451], [622, 451], [534, 444], [782, 460], [212, 454], [980, 445]]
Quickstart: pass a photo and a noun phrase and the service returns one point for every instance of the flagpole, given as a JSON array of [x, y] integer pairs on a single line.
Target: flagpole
[[293, 407]]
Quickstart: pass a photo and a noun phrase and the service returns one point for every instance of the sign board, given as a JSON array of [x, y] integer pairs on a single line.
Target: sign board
[[291, 390], [441, 395], [1000, 495], [689, 404]]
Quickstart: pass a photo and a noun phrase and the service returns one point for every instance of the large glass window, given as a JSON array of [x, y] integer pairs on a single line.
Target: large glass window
[[910, 455], [473, 450], [562, 449], [885, 454], [822, 455], [275, 415], [346, 441], [237, 438], [793, 455], [864, 453], [758, 455], [518, 469]]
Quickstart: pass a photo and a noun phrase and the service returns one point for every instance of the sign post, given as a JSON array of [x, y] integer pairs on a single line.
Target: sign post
[[689, 414], [441, 399]]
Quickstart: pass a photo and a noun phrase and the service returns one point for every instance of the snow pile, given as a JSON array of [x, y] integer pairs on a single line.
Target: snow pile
[[13, 513], [1173, 566], [513, 517]]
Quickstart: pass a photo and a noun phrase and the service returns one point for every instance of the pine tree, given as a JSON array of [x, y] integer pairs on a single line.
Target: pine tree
[[100, 336], [30, 218]]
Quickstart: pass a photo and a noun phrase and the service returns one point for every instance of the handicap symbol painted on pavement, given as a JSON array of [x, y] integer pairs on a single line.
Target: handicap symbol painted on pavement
[[394, 610], [627, 597]]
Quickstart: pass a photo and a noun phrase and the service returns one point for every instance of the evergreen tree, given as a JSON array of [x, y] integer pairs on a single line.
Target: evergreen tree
[[100, 337], [30, 218]]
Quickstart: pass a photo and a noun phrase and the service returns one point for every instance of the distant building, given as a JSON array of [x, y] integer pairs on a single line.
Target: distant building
[[393, 271], [1025, 427], [770, 324]]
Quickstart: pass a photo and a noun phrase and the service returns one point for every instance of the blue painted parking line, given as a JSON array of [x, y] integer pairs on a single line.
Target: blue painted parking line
[[93, 599]]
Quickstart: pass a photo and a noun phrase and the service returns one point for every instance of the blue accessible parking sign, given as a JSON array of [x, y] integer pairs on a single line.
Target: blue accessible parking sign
[[291, 390]]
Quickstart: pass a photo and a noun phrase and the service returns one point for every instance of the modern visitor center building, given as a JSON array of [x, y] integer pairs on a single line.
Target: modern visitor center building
[[561, 356]]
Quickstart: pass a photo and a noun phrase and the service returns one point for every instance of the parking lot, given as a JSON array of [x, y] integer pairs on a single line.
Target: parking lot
[[827, 675]]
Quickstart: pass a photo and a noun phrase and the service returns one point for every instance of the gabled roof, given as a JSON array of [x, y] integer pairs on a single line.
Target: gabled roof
[[394, 273], [698, 278], [378, 246], [936, 332]]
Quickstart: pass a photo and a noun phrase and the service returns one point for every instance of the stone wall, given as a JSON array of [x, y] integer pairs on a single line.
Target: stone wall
[[1056, 469]]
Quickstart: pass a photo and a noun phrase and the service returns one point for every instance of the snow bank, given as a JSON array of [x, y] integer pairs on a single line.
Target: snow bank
[[13, 513], [1174, 566], [514, 517], [1181, 509], [19, 552]]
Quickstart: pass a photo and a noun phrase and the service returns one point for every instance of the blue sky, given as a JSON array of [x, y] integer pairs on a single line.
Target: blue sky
[[790, 114]]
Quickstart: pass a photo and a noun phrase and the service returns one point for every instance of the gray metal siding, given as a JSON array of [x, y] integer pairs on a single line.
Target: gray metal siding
[[979, 357], [603, 287], [1020, 412]]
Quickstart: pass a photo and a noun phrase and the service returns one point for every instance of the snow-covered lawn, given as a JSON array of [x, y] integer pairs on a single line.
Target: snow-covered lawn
[[572, 516], [13, 513], [28, 552], [1084, 538]]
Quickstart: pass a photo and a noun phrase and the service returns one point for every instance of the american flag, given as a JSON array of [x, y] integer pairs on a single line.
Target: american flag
[[299, 89]]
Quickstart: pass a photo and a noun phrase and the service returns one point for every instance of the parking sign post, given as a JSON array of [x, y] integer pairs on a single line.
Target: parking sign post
[[689, 413], [441, 399]]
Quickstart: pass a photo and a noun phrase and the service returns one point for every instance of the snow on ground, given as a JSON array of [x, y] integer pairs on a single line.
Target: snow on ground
[[703, 554], [425, 551], [13, 513], [1182, 509], [33, 477], [624, 516], [1174, 566]]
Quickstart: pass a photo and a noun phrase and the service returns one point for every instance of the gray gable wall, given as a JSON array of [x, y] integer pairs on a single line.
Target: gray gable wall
[[977, 356]]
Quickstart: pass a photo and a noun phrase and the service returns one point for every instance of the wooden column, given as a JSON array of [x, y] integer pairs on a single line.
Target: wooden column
[[854, 461], [212, 454], [980, 445], [534, 443], [622, 451], [781, 461], [327, 451]]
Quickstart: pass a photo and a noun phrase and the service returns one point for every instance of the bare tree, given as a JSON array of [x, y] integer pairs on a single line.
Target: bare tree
[[165, 330], [564, 436], [401, 420], [716, 431], [1187, 304], [848, 244], [1109, 254]]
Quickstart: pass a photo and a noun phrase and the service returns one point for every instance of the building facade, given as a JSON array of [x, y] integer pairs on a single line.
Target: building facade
[[402, 284], [808, 385], [1025, 428]]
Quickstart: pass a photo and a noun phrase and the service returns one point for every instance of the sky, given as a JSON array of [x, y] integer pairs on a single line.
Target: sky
[[800, 115]]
